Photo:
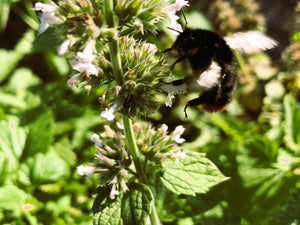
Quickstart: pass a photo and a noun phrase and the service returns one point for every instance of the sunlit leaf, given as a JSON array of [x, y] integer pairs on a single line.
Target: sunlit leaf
[[291, 124], [136, 204], [193, 174]]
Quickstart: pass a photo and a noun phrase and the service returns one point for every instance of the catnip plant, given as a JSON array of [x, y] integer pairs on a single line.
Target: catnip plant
[[106, 46]]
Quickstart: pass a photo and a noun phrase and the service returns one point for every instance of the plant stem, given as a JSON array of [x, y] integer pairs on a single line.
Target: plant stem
[[129, 134], [134, 152], [114, 44]]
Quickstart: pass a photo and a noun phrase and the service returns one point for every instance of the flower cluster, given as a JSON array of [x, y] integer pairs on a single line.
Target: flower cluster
[[85, 38], [157, 145], [111, 162]]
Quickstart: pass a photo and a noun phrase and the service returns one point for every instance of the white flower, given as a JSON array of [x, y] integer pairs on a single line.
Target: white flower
[[63, 48], [169, 99], [163, 128], [177, 133], [109, 114], [114, 191], [73, 81], [179, 155], [84, 62], [96, 139], [176, 6], [171, 12], [85, 170], [48, 16]]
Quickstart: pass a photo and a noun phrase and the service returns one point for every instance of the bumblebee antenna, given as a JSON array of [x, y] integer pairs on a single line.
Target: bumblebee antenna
[[185, 26], [174, 30]]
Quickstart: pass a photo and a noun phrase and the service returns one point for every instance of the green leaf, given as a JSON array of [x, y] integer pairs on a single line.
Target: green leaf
[[136, 204], [11, 101], [12, 198], [10, 59], [4, 9], [110, 214], [8, 62], [12, 141], [64, 149], [230, 125], [291, 124], [48, 168], [21, 80], [40, 135], [193, 174]]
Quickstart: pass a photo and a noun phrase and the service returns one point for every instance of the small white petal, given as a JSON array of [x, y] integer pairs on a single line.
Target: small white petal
[[178, 5], [171, 12], [177, 133], [163, 128], [63, 48], [113, 192], [85, 170], [96, 139], [120, 126], [108, 114], [169, 98], [179, 155]]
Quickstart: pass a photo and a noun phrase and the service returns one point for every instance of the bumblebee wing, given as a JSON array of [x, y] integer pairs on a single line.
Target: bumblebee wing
[[250, 42]]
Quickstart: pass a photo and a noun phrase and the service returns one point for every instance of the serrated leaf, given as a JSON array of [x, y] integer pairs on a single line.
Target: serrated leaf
[[110, 214], [40, 135], [102, 194], [193, 174], [48, 168], [136, 204], [12, 198], [291, 124]]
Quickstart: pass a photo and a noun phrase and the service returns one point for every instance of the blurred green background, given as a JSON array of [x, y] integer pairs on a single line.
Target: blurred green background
[[45, 125]]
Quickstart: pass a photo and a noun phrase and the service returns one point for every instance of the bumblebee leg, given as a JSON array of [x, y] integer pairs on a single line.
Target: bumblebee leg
[[193, 102], [164, 51], [183, 57]]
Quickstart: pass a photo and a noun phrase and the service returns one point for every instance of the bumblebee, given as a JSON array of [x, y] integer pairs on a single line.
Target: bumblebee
[[212, 61]]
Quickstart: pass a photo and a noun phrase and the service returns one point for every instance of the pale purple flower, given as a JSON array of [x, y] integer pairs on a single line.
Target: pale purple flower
[[85, 170], [177, 133], [48, 16], [84, 61]]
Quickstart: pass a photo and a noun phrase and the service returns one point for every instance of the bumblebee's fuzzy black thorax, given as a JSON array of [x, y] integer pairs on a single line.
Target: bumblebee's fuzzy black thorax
[[202, 46]]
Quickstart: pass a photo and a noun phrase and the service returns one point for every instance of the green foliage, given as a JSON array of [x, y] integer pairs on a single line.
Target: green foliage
[[245, 164], [193, 174]]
